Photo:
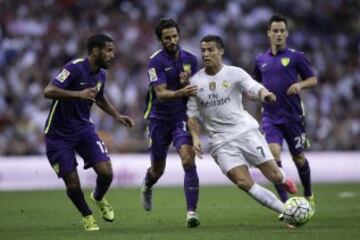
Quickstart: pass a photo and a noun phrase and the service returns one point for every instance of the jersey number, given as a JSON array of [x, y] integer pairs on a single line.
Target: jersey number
[[261, 150], [300, 141], [102, 146]]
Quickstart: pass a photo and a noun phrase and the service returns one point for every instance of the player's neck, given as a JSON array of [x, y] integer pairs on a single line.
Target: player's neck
[[94, 67], [276, 48], [213, 70]]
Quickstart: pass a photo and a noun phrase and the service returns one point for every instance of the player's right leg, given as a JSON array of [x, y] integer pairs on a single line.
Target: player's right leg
[[61, 155], [160, 140], [74, 192]]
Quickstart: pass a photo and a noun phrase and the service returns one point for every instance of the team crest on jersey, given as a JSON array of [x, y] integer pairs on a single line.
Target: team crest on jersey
[[212, 86], [187, 67], [225, 84], [98, 85], [285, 61], [152, 75], [63, 75]]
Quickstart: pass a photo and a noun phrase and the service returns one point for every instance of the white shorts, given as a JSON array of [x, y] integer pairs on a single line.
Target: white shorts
[[249, 149]]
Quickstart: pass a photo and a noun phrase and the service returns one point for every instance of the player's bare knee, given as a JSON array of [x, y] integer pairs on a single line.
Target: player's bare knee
[[244, 184], [188, 161], [299, 160], [157, 172]]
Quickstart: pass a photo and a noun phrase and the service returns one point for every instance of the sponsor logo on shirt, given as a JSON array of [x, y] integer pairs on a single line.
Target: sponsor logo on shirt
[[212, 86], [215, 102], [152, 75], [63, 75], [263, 65], [168, 69], [285, 61], [82, 83]]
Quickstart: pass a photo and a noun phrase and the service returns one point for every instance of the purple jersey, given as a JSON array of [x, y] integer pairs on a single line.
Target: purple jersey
[[71, 117], [164, 69], [277, 73]]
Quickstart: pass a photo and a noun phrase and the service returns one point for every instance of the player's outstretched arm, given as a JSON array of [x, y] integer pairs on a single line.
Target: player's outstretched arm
[[164, 94], [194, 128], [307, 83], [104, 103], [53, 92]]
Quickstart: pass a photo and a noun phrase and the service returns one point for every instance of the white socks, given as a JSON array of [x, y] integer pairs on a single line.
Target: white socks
[[266, 198]]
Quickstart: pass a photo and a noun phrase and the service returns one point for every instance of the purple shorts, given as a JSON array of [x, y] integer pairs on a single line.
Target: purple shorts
[[293, 133], [61, 152], [162, 133]]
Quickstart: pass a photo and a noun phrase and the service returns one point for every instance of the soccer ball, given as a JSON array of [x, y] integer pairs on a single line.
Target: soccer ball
[[297, 211]]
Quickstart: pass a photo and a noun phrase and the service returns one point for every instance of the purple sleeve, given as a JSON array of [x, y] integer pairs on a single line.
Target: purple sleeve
[[194, 66], [156, 73], [303, 67], [256, 74], [65, 77]]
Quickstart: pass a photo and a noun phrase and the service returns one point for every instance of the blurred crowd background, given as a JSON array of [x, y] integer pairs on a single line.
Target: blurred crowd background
[[38, 37]]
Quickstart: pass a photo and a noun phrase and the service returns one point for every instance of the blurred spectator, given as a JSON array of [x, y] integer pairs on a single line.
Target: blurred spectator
[[38, 37]]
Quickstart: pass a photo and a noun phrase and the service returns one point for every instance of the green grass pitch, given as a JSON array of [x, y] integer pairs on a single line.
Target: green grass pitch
[[225, 213]]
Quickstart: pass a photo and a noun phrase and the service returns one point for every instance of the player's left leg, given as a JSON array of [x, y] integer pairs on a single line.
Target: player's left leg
[[240, 176], [93, 150], [297, 141], [191, 184], [104, 178], [183, 143]]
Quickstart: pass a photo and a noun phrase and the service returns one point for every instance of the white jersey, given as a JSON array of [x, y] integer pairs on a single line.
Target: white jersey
[[219, 103]]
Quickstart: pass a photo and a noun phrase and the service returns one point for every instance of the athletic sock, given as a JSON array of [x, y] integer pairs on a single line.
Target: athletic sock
[[149, 179], [191, 188], [102, 185], [77, 197], [305, 177], [266, 198]]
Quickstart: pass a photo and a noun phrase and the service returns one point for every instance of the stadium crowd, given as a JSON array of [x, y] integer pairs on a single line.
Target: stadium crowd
[[38, 37]]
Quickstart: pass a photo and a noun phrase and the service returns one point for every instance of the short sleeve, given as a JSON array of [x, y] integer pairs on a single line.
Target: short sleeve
[[65, 77], [303, 67], [156, 73], [256, 74]]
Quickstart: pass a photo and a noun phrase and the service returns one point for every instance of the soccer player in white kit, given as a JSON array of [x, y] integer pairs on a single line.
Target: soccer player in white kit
[[235, 141]]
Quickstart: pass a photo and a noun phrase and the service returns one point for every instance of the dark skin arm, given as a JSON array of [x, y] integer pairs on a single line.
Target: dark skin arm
[[105, 105], [53, 92]]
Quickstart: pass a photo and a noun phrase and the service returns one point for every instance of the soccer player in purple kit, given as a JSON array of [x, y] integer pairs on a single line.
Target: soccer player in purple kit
[[285, 72], [169, 70], [69, 130]]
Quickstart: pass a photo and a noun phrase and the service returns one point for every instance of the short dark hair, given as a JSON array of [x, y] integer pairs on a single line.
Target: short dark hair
[[165, 23], [97, 40], [214, 38], [277, 18]]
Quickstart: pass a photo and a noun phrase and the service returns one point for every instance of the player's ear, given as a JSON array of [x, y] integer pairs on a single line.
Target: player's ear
[[269, 33], [96, 51]]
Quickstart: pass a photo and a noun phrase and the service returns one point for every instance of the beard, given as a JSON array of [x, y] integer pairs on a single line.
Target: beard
[[172, 50]]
